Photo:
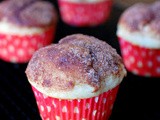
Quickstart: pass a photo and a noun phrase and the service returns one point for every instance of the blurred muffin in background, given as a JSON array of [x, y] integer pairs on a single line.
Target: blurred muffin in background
[[25, 26], [139, 37], [76, 79], [85, 12]]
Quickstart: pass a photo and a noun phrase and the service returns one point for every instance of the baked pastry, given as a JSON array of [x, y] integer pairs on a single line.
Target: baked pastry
[[25, 26], [139, 37], [83, 13], [78, 78]]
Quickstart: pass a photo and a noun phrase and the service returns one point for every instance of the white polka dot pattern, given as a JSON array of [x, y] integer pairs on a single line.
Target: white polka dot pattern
[[158, 69], [140, 60], [64, 109], [96, 108], [76, 110], [57, 118], [96, 99], [19, 49], [150, 63], [139, 64], [158, 58], [94, 112], [48, 108], [84, 119], [87, 14], [42, 108], [87, 105], [104, 100]]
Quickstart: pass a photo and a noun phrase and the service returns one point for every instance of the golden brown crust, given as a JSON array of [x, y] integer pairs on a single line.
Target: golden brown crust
[[140, 15], [76, 60]]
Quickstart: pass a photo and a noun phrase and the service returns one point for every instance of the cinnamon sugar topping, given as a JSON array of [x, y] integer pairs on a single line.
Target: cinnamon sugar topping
[[141, 15], [75, 60], [28, 12]]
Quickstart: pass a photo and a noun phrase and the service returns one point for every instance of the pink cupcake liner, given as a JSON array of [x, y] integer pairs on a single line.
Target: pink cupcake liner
[[139, 60], [19, 49], [95, 108], [85, 14]]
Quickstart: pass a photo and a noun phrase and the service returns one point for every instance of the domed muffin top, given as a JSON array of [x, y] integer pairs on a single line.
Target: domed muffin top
[[79, 66], [141, 16], [28, 12], [140, 25]]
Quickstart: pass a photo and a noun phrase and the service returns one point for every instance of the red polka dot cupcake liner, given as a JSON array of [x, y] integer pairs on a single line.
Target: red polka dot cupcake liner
[[95, 108], [19, 48], [85, 14], [139, 60]]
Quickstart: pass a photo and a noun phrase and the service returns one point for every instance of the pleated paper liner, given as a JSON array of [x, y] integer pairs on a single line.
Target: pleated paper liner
[[20, 48], [85, 14], [140, 60], [95, 108]]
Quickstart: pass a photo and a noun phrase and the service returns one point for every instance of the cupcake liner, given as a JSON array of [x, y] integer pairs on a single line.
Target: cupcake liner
[[95, 108], [139, 60], [85, 14], [19, 48]]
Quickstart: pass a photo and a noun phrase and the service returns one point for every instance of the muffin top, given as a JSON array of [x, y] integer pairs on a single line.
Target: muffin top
[[141, 15], [85, 1], [79, 66], [28, 12], [141, 20]]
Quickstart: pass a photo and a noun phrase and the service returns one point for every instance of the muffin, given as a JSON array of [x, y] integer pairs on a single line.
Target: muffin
[[83, 13], [25, 26], [75, 79], [139, 37]]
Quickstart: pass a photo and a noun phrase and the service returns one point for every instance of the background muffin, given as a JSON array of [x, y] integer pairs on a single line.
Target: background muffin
[[139, 37], [77, 78], [25, 26], [85, 12]]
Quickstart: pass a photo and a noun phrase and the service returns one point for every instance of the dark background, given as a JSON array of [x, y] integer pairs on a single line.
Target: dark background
[[137, 99]]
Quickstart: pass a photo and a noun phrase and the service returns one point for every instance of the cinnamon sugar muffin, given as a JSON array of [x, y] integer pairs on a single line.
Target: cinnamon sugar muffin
[[82, 13], [139, 37], [76, 78], [25, 26]]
